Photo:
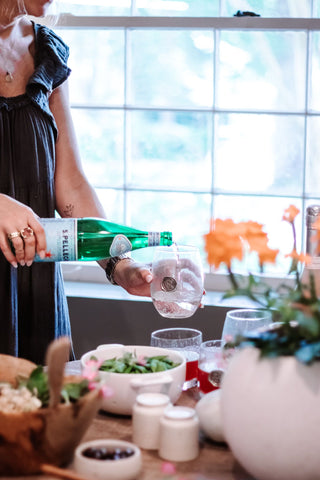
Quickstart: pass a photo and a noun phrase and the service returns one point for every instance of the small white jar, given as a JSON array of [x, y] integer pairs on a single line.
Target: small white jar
[[146, 414], [179, 434]]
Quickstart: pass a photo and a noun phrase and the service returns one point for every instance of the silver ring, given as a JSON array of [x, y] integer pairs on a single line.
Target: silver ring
[[26, 232], [13, 235]]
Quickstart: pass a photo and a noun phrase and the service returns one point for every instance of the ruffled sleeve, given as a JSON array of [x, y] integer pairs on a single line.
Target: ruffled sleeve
[[51, 56], [51, 69]]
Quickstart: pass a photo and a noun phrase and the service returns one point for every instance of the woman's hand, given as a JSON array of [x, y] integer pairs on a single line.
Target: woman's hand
[[133, 277], [27, 237]]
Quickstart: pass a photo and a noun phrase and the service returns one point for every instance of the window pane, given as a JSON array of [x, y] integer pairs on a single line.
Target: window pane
[[268, 212], [313, 155], [316, 8], [170, 150], [187, 215], [270, 8], [113, 204], [314, 100], [171, 68], [257, 68], [100, 138], [97, 64], [259, 154], [144, 111], [175, 8], [95, 7]]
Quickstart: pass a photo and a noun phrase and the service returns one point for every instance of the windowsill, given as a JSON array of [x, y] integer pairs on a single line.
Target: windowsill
[[89, 281], [104, 291]]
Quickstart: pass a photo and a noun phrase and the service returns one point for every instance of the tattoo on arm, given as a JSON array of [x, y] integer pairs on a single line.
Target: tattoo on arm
[[68, 210]]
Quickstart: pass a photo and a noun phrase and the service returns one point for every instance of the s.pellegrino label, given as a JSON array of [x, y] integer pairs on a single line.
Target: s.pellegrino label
[[61, 236], [120, 244]]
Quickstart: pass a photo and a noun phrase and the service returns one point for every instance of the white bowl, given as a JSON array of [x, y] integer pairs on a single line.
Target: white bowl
[[121, 469], [208, 410], [126, 386]]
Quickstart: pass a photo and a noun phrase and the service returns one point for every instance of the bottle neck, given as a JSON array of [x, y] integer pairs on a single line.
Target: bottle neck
[[312, 247]]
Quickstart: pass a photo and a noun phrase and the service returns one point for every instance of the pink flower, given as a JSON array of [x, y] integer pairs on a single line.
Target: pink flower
[[228, 338], [141, 360], [106, 391], [90, 371], [168, 468]]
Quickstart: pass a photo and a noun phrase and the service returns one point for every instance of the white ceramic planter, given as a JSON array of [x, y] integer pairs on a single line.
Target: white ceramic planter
[[271, 416]]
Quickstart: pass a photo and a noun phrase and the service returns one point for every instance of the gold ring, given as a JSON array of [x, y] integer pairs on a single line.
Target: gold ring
[[26, 232], [13, 235]]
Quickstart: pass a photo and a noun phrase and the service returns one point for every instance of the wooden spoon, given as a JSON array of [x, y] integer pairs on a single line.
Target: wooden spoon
[[56, 358], [60, 472]]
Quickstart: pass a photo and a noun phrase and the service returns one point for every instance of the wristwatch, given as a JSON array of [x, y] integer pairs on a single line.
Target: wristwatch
[[111, 265]]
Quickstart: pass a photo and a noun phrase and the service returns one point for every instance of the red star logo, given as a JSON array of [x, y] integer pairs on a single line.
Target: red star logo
[[48, 255]]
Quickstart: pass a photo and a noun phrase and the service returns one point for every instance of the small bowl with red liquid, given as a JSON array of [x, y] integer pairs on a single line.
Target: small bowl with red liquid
[[108, 459]]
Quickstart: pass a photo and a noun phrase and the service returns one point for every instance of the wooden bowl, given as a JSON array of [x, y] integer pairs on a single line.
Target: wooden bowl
[[44, 436]]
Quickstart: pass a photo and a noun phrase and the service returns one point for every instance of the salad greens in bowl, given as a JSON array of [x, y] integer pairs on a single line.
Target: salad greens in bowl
[[128, 370]]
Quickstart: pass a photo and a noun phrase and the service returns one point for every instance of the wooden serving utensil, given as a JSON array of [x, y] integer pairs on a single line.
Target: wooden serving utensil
[[56, 358], [60, 472]]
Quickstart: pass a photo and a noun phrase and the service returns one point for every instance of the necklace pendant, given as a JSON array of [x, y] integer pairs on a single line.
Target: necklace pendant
[[9, 77]]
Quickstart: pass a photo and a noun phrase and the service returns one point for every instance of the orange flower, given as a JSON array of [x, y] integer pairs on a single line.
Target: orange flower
[[253, 233], [299, 257], [223, 243], [267, 254], [290, 213]]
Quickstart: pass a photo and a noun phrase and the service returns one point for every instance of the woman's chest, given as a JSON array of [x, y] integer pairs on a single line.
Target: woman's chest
[[16, 65]]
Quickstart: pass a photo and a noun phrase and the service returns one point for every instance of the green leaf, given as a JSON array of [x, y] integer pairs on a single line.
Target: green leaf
[[129, 363], [71, 392], [37, 383]]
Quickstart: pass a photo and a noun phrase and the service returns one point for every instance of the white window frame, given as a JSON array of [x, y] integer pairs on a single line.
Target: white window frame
[[89, 272]]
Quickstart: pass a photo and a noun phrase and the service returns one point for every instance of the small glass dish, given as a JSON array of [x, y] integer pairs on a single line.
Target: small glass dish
[[126, 465]]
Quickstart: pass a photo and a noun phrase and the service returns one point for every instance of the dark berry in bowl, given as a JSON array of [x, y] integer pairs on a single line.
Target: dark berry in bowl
[[104, 453]]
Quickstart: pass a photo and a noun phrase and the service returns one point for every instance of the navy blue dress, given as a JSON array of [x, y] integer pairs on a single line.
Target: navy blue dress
[[33, 306]]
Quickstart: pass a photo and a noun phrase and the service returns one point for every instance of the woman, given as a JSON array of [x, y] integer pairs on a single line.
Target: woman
[[40, 172]]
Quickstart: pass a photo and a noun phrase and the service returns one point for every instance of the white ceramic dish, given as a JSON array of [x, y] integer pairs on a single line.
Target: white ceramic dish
[[208, 410], [126, 386], [121, 469]]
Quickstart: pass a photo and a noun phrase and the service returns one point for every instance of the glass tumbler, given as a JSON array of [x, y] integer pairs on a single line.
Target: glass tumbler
[[187, 341]]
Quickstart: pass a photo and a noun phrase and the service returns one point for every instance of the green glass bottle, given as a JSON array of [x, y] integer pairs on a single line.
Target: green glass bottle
[[87, 239]]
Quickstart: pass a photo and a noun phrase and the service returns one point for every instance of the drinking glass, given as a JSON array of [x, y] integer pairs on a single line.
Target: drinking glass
[[241, 321], [177, 285], [213, 361], [187, 341]]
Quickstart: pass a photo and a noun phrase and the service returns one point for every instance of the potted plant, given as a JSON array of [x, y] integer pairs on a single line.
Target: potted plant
[[270, 397]]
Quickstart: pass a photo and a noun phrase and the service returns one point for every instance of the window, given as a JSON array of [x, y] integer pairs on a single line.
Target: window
[[184, 112]]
